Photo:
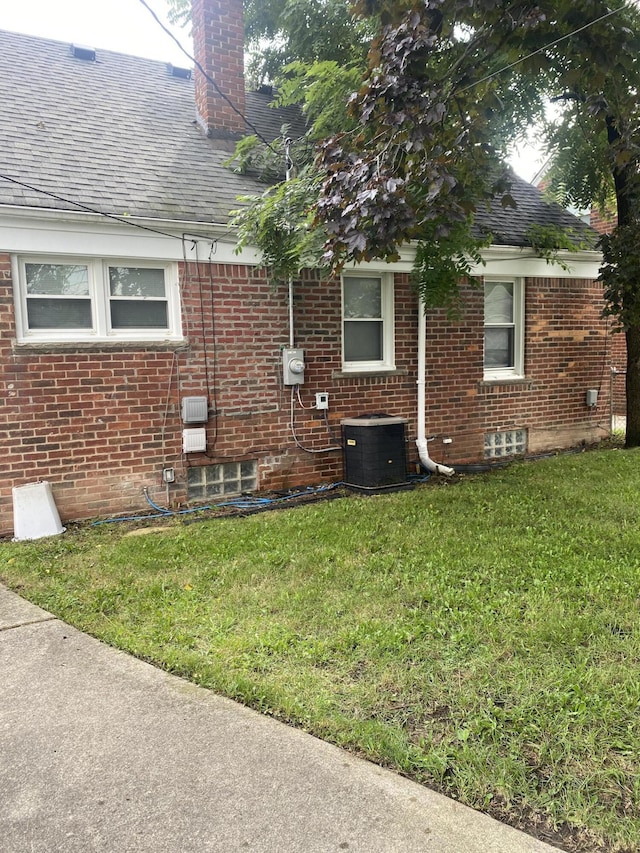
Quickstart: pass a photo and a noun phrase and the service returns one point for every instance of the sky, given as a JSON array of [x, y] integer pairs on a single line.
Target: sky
[[121, 25], [127, 27]]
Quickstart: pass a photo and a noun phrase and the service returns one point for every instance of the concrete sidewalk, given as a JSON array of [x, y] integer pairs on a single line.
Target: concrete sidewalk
[[101, 752]]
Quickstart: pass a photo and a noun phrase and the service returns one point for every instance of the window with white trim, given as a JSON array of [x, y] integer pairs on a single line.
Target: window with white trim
[[503, 328], [80, 299], [367, 322]]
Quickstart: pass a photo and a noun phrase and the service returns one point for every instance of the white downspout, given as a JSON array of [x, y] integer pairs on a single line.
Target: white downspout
[[421, 441]]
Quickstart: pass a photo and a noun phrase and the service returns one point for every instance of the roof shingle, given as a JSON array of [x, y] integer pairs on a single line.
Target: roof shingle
[[120, 135]]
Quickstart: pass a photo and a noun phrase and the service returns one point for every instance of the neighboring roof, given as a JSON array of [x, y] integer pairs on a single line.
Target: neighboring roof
[[120, 135]]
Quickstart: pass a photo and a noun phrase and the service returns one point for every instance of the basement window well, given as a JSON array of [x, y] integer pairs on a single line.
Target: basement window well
[[498, 445], [221, 480]]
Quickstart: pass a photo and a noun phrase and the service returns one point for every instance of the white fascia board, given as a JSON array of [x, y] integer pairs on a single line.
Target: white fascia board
[[55, 232], [513, 260], [508, 260]]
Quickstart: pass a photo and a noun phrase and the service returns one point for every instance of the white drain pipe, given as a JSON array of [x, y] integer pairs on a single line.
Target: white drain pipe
[[421, 441]]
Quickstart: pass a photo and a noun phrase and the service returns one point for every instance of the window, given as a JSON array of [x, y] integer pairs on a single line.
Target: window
[[226, 478], [82, 300], [503, 329], [508, 443], [367, 322]]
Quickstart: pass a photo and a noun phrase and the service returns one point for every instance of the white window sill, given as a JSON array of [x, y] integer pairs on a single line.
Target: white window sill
[[347, 373], [504, 378], [99, 344]]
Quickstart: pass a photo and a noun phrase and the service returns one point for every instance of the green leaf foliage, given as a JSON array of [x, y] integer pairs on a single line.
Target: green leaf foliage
[[620, 274], [550, 240], [439, 90], [280, 222]]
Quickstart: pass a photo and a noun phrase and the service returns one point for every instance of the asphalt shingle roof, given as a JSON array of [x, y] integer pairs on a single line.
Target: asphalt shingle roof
[[509, 225], [119, 135]]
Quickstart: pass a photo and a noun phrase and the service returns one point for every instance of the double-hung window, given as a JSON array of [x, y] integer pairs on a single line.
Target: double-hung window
[[503, 328], [78, 299], [367, 322]]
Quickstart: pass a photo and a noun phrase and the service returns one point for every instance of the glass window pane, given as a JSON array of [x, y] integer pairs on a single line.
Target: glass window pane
[[363, 341], [57, 279], [138, 315], [498, 347], [195, 476], [59, 314], [362, 297], [136, 281], [498, 302]]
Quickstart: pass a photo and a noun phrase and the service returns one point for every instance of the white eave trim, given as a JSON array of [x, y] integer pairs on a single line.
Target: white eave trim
[[49, 231], [59, 232], [514, 260], [510, 260]]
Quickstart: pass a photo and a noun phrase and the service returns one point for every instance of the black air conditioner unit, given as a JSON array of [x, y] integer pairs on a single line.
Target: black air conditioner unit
[[375, 455]]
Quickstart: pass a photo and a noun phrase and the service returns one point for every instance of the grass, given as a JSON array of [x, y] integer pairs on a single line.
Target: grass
[[481, 637]]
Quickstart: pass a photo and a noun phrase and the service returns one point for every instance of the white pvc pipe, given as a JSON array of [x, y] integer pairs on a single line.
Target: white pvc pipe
[[421, 441]]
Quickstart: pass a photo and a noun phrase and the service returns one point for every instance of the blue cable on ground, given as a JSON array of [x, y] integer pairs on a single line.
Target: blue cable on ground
[[233, 503]]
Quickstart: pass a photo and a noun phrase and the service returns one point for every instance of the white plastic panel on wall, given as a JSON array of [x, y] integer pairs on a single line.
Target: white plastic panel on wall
[[194, 440]]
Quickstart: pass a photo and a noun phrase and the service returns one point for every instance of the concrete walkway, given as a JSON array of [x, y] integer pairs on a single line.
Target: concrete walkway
[[101, 752]]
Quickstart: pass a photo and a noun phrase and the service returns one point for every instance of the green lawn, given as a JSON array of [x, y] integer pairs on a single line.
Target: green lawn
[[481, 636]]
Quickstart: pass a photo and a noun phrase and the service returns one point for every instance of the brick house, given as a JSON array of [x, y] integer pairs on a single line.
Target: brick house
[[124, 308]]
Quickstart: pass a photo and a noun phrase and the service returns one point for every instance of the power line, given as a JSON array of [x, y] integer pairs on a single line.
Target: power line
[[122, 219], [210, 79], [541, 49]]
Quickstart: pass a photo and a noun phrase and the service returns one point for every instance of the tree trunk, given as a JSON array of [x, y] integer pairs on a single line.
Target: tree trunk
[[622, 180], [633, 387]]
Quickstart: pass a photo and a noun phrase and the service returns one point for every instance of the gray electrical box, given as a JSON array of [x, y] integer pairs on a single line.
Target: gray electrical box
[[591, 397], [195, 410], [293, 366]]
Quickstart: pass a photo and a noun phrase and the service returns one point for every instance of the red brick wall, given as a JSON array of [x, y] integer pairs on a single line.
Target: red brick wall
[[567, 351], [100, 424], [218, 43], [604, 223]]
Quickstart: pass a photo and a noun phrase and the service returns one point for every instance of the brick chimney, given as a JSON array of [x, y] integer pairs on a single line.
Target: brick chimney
[[218, 43]]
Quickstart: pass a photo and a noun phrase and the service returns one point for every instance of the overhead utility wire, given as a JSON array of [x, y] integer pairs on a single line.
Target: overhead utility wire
[[541, 49], [208, 77], [123, 219]]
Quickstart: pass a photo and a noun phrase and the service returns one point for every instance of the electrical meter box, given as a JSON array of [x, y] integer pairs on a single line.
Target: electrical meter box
[[375, 452], [293, 366]]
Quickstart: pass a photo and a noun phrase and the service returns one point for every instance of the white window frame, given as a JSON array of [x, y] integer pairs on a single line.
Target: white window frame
[[517, 370], [99, 294], [387, 362]]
